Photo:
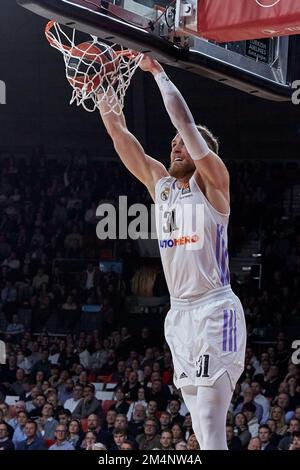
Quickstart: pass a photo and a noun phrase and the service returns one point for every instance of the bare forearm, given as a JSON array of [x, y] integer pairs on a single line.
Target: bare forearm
[[144, 168], [111, 120]]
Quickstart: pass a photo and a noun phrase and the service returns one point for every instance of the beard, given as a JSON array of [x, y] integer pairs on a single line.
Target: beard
[[181, 169]]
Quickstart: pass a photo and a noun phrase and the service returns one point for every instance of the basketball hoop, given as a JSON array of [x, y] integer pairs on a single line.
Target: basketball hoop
[[95, 70]]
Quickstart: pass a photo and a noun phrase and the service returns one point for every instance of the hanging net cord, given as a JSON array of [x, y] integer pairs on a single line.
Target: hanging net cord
[[97, 71]]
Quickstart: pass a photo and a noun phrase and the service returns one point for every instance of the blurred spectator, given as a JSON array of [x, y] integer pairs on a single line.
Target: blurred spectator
[[61, 442], [249, 398], [77, 393], [286, 441], [98, 446], [74, 432], [88, 405], [277, 414], [150, 439], [264, 435], [5, 442], [295, 445], [248, 410], [32, 441], [66, 391], [111, 417], [119, 437], [89, 441], [261, 400], [166, 439], [233, 442], [46, 423], [40, 279], [9, 300], [127, 445], [90, 278], [94, 425], [177, 433], [192, 443], [132, 386], [165, 420], [136, 423], [254, 444], [121, 406], [140, 401], [15, 327], [19, 406], [44, 365], [182, 445], [19, 434], [241, 429], [173, 408], [37, 405]]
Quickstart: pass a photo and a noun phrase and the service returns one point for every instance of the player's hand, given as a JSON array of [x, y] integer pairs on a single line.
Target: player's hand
[[148, 64]]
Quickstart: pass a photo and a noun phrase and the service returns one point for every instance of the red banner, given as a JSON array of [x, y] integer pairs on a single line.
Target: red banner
[[237, 20]]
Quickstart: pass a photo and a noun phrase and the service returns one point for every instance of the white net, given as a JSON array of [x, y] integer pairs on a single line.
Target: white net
[[95, 70]]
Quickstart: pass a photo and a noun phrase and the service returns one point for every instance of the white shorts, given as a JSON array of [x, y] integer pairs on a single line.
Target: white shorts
[[207, 337]]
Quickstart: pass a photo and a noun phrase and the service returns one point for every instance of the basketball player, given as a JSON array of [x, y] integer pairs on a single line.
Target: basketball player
[[205, 328]]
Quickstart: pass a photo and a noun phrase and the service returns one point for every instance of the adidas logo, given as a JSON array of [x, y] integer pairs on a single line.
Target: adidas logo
[[183, 376]]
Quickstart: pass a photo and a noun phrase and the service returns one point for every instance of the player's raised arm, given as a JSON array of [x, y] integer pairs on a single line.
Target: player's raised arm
[[210, 167], [142, 166]]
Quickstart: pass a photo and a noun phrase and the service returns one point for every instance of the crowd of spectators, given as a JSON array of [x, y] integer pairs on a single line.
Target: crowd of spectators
[[264, 208], [49, 251], [51, 389], [89, 392]]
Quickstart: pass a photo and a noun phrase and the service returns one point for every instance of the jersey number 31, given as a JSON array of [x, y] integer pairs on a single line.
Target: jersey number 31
[[202, 366]]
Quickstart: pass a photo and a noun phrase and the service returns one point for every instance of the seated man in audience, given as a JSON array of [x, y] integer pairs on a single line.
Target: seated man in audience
[[88, 405], [233, 442], [264, 435], [5, 442], [32, 441], [150, 438], [19, 434], [71, 403], [61, 442], [136, 424]]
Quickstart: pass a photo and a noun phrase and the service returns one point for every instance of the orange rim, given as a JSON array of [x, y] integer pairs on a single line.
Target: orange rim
[[58, 45], [54, 42]]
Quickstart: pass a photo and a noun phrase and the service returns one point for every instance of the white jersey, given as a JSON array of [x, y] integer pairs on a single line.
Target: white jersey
[[192, 238]]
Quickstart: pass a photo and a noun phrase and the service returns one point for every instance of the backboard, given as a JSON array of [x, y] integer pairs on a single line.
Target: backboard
[[262, 67]]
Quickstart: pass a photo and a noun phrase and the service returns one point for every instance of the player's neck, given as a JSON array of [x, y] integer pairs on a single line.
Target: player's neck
[[182, 182]]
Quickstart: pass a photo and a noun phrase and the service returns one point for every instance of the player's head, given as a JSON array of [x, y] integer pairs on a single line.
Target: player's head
[[182, 164]]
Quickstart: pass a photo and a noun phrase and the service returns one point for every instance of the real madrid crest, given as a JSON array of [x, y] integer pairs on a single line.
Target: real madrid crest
[[165, 194]]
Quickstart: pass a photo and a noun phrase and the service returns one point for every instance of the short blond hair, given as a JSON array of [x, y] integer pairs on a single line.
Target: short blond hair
[[209, 137]]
